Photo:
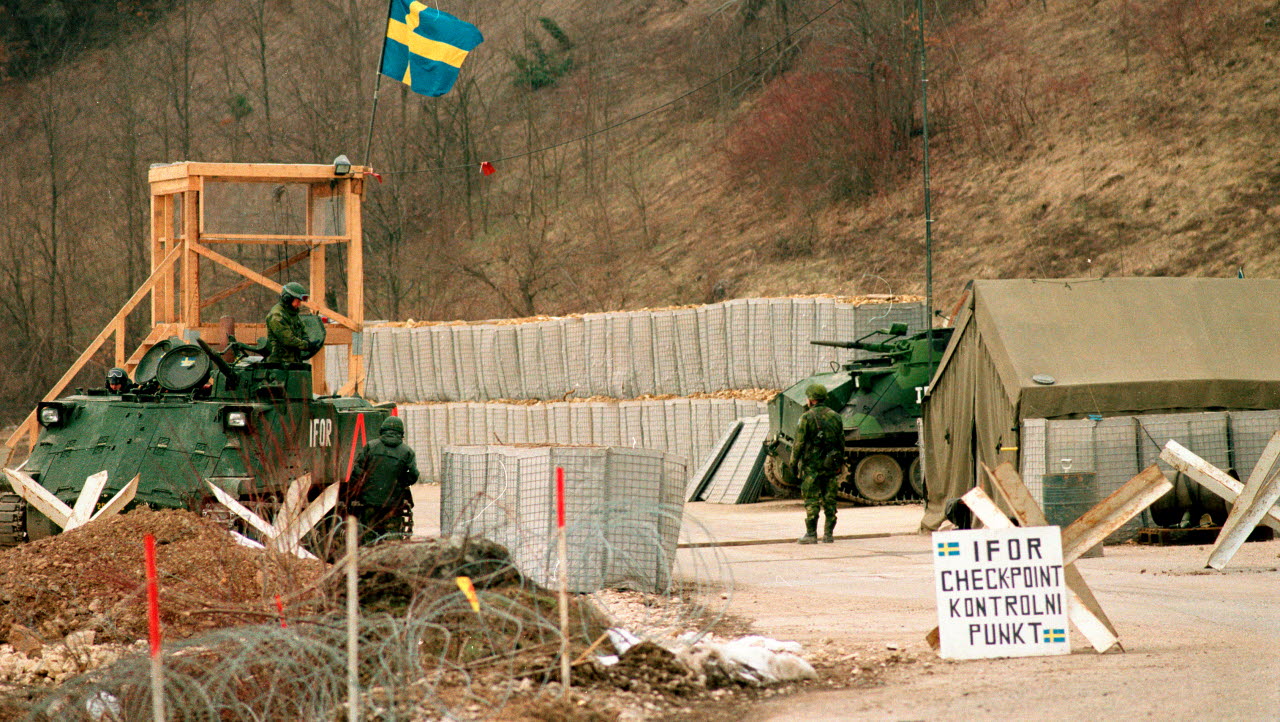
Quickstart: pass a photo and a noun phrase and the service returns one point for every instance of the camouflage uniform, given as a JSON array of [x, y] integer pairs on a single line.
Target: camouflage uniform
[[378, 492], [288, 338], [818, 458]]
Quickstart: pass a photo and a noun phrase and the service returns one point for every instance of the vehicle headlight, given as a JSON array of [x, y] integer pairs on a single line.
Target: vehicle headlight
[[237, 419], [50, 416]]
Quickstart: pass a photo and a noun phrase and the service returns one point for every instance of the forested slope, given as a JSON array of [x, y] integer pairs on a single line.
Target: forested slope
[[650, 153]]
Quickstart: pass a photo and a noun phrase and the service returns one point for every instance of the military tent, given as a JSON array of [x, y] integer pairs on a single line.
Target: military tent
[[1071, 348]]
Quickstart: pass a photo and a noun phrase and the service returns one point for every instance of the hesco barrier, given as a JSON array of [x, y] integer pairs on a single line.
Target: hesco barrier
[[738, 344], [687, 428], [622, 510], [1116, 448]]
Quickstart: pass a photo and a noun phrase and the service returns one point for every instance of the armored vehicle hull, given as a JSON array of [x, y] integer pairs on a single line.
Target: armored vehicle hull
[[250, 429], [879, 399]]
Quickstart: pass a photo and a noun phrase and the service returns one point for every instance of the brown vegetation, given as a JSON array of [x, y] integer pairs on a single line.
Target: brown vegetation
[[1112, 137]]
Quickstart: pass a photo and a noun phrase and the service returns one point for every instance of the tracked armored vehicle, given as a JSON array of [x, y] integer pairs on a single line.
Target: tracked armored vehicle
[[195, 416], [879, 399]]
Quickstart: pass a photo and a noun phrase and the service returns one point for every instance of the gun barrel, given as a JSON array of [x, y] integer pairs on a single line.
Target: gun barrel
[[836, 344], [233, 379]]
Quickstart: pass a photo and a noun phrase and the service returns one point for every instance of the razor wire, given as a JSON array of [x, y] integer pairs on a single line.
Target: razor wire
[[425, 652]]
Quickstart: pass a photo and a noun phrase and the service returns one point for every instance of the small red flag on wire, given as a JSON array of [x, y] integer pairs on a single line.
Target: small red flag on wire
[[487, 168]]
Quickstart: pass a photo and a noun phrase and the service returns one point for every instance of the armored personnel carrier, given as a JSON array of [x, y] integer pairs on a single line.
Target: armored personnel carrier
[[879, 398], [195, 416]]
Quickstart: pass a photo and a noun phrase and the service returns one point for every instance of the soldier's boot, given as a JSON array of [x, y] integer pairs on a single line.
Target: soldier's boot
[[810, 532], [829, 531]]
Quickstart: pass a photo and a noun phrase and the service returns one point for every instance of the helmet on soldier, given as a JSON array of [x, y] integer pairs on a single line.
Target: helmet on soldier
[[816, 392], [391, 431], [117, 379], [292, 290]]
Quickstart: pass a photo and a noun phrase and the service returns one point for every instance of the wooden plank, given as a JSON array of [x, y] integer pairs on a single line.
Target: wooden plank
[[1210, 477], [175, 185], [1008, 483], [264, 281], [232, 290], [1006, 480], [189, 300], [119, 337], [1260, 493], [39, 497], [251, 172], [316, 277], [355, 284], [120, 500], [1112, 512], [87, 500], [250, 238], [1094, 627]]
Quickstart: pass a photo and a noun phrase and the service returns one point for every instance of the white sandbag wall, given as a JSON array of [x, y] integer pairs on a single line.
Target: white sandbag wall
[[686, 428], [622, 510], [743, 343]]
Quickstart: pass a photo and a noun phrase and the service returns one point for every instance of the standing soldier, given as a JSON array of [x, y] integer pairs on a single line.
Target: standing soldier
[[817, 458], [378, 491], [288, 338]]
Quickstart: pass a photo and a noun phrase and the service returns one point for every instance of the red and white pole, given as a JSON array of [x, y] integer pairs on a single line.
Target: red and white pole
[[153, 624], [564, 582]]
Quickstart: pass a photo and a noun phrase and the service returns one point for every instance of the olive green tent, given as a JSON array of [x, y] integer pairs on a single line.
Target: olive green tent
[[1061, 349]]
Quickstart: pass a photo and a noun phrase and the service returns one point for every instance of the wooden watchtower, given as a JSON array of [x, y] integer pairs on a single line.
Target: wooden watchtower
[[195, 208]]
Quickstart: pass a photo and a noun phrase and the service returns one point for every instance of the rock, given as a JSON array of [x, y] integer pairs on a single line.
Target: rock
[[25, 640], [81, 639]]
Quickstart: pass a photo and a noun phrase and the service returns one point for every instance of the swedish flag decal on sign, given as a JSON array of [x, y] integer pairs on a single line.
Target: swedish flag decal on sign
[[425, 47]]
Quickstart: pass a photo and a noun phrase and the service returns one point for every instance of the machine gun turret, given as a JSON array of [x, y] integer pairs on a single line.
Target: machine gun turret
[[897, 330]]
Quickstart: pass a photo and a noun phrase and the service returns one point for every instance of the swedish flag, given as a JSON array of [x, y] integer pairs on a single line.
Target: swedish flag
[[425, 47]]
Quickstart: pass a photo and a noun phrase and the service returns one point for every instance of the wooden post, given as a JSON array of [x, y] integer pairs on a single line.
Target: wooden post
[[355, 279], [316, 254], [353, 621], [190, 302]]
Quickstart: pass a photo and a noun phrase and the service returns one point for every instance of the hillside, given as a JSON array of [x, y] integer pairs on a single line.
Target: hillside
[[694, 150]]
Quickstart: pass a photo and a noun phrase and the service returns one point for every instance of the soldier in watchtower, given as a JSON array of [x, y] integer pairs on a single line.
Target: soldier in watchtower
[[817, 458], [285, 332]]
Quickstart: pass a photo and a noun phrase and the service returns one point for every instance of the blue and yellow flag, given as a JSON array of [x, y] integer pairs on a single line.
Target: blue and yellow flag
[[425, 47]]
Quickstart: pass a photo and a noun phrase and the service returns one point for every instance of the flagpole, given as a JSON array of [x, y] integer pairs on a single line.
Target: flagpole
[[377, 84]]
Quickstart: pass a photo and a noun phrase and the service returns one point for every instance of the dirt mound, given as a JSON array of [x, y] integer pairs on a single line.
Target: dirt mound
[[94, 578]]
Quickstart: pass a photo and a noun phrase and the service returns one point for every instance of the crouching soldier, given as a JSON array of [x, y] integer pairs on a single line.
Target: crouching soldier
[[378, 491]]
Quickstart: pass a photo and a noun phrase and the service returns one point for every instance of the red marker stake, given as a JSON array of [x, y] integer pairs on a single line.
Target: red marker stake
[[564, 583], [153, 623]]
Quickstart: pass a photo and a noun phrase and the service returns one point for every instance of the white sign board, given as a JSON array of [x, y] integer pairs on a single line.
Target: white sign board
[[1000, 592]]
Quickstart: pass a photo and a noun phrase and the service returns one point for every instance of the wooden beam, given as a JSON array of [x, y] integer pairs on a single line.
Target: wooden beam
[[1096, 629], [316, 276], [233, 290], [252, 172], [1211, 477], [28, 426], [1260, 493], [1006, 480], [264, 281], [355, 284], [247, 238], [1248, 510], [1112, 512], [189, 311]]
